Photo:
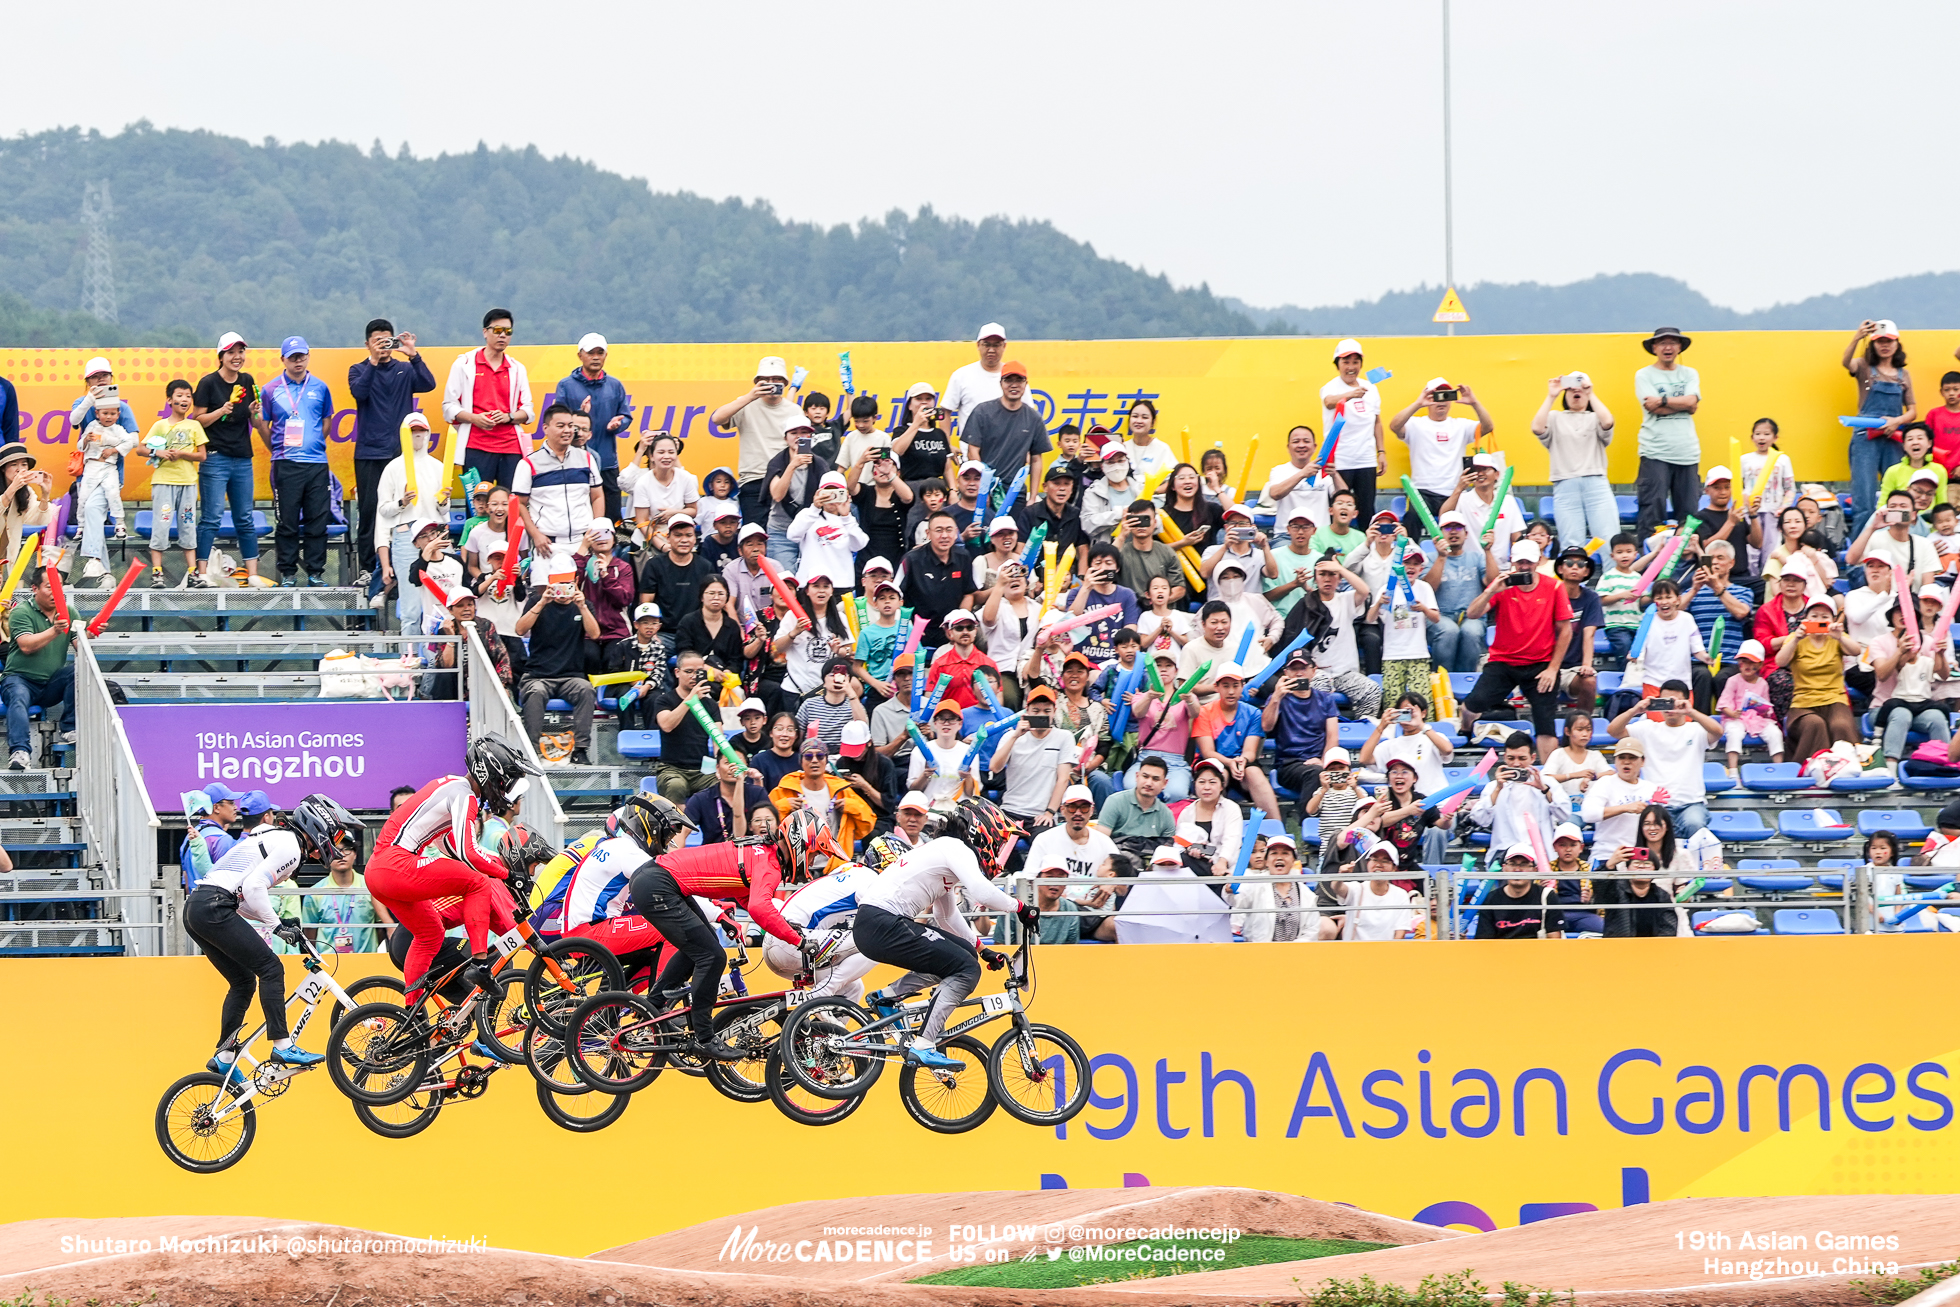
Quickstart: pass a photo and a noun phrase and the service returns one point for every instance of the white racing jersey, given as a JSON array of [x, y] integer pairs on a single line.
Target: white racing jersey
[[925, 880], [829, 901], [252, 867]]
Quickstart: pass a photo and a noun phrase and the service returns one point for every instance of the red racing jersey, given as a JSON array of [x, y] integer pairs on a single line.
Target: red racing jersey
[[441, 820], [746, 873]]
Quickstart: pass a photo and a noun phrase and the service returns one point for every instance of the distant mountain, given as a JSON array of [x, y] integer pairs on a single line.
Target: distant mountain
[[1637, 301], [212, 233]]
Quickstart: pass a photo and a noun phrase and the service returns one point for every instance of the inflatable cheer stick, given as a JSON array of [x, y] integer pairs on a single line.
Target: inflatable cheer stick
[[1453, 797], [1126, 685], [1926, 901], [1861, 423], [1187, 444], [1377, 375], [980, 739], [60, 596], [617, 678], [912, 640], [1659, 565], [844, 375], [784, 595], [986, 689], [1245, 645], [1278, 661], [1715, 644], [408, 460], [1640, 634], [1033, 551], [1908, 611], [1014, 489], [1156, 678], [26, 556], [932, 700], [1939, 631], [1537, 838], [51, 550], [713, 728], [1770, 460], [1327, 445], [101, 619], [1417, 502], [1204, 670], [1497, 502], [513, 541], [1095, 614]]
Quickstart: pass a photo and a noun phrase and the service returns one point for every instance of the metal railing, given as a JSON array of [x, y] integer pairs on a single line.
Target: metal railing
[[493, 713], [118, 820]]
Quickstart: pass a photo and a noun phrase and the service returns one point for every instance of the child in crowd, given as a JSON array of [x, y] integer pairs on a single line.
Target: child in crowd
[[935, 769], [1339, 535], [717, 497], [1916, 439], [930, 496], [174, 447], [492, 532], [829, 537], [1615, 590], [880, 636], [1673, 645], [438, 565], [479, 509], [99, 494], [1943, 528], [500, 603], [718, 543], [1405, 607], [1745, 707], [1104, 502], [1945, 424]]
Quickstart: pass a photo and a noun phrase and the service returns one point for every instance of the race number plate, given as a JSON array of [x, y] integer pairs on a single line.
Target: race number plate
[[509, 942], [796, 998], [995, 1005], [310, 989]]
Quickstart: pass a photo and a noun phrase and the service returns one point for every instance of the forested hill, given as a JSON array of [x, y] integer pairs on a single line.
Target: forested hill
[[212, 233]]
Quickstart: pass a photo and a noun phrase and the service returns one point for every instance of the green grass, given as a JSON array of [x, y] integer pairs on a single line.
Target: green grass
[[1895, 1288], [1061, 1273]]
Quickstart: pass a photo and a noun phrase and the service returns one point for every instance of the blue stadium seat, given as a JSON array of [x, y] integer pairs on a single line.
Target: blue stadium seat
[[1861, 784], [1767, 864], [1927, 880], [1806, 921], [1609, 682], [1310, 831], [1629, 507], [1774, 777], [1929, 784], [639, 744], [1775, 884], [1545, 509], [1813, 825], [1461, 683], [1355, 734], [1744, 826], [1715, 778], [1903, 822]]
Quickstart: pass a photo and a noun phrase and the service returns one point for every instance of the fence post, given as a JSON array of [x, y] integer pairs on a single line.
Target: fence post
[[117, 818], [493, 713]]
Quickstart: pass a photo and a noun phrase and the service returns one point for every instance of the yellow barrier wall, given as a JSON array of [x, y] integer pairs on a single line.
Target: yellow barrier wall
[[1377, 1029], [1224, 390]]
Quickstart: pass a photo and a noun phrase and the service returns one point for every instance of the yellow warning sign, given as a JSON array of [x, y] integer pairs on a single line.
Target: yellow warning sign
[[1451, 309]]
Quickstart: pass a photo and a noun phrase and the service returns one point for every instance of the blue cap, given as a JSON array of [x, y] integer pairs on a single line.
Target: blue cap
[[220, 793], [253, 804], [293, 345]]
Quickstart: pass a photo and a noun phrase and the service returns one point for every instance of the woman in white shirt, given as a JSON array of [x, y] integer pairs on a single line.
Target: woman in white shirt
[[665, 488], [935, 769], [1576, 764], [1007, 622], [1577, 434], [1162, 626], [1208, 817]]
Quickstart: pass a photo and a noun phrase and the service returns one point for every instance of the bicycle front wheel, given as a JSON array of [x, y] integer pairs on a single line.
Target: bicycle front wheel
[[502, 1018], [1039, 1074], [378, 1054], [202, 1126], [825, 1050], [617, 1044], [756, 1028], [369, 989], [588, 968], [403, 1120], [950, 1101], [544, 1053], [582, 1113], [798, 1103]]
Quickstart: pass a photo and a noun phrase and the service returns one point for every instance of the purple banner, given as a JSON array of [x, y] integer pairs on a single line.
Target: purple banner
[[352, 752]]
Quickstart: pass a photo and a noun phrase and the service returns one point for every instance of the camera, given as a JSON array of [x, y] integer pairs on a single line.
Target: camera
[[1894, 516], [390, 343], [1518, 578], [1663, 705], [1816, 625], [1517, 773], [1240, 535], [1444, 395]]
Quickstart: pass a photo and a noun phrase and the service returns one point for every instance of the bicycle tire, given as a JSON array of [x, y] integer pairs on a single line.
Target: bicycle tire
[[405, 1119], [594, 1043], [179, 1126], [501, 1023], [544, 1054], [948, 1087], [824, 1073], [563, 1110], [368, 985], [375, 1079], [799, 1104], [1003, 1076], [756, 1026], [589, 965]]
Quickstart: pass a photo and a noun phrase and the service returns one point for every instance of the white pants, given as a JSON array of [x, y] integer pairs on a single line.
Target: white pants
[[843, 978], [1772, 734]]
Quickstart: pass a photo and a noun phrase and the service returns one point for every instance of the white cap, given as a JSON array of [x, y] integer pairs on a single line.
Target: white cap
[[1754, 649], [919, 388], [417, 419], [799, 423], [1114, 449], [752, 530], [1338, 754], [833, 481], [1454, 517], [1924, 474], [229, 339], [723, 514], [1577, 380], [1274, 841], [1526, 550], [1231, 670], [1166, 855], [100, 364], [648, 609], [854, 739], [1567, 831], [1077, 794], [1885, 327], [1491, 461], [1051, 861], [959, 617], [972, 465], [1237, 510], [1520, 850], [772, 367], [878, 564], [914, 799], [1436, 383], [600, 526], [1001, 524], [1717, 473], [1374, 844], [590, 341], [678, 519], [990, 329], [1348, 346], [752, 705]]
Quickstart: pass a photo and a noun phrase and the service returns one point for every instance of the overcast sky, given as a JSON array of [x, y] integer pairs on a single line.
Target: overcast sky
[[1282, 152]]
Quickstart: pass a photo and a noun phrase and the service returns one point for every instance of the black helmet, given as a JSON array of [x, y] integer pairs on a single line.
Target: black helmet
[[326, 830], [984, 827], [498, 773], [521, 849], [650, 821]]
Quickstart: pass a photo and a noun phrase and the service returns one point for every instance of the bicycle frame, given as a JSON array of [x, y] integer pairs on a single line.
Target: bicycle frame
[[263, 1075], [1012, 1002]]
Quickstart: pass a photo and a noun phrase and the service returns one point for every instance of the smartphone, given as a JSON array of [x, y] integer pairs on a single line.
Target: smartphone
[[941, 414], [803, 444], [1816, 625], [1240, 535], [1469, 461], [1894, 516], [1445, 396], [1639, 854], [1518, 578], [776, 389], [1662, 705]]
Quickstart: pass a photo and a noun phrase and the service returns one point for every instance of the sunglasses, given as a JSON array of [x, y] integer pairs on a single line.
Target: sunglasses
[[501, 331]]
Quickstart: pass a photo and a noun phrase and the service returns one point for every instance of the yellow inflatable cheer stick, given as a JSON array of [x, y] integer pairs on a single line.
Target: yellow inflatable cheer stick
[[408, 460], [617, 678]]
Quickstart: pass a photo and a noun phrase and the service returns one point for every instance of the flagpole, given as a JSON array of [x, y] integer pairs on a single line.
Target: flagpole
[[1449, 244]]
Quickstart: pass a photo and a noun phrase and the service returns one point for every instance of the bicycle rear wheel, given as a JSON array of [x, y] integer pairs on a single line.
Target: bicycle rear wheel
[[798, 1103], [616, 1043], [589, 968], [811, 1048], [503, 1016], [402, 1120], [189, 1128], [1039, 1074], [544, 1054], [582, 1113], [369, 989], [950, 1102], [378, 1054], [754, 1027]]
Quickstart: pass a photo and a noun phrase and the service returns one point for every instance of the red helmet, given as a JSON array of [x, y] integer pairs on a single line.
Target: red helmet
[[801, 840], [982, 825]]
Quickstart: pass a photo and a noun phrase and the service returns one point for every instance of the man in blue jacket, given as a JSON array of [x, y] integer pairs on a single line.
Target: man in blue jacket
[[603, 399], [384, 391]]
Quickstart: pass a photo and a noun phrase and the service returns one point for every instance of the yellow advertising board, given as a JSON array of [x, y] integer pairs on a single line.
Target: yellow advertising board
[[1469, 1083], [1225, 390]]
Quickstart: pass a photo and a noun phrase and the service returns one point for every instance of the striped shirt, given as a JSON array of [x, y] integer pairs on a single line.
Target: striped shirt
[[1706, 606], [829, 718], [557, 491]]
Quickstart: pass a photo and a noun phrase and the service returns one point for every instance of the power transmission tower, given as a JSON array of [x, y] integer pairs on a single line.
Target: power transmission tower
[[99, 274]]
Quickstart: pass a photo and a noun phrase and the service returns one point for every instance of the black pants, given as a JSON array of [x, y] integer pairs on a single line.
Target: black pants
[[754, 498], [609, 483], [1368, 643], [367, 490], [1658, 483], [241, 957], [697, 949], [519, 656], [1494, 686], [449, 957], [1302, 776], [299, 493], [1412, 520], [492, 469], [929, 956], [1361, 480]]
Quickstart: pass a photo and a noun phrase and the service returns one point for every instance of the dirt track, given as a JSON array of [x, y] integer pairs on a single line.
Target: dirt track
[[1614, 1257]]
